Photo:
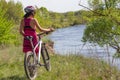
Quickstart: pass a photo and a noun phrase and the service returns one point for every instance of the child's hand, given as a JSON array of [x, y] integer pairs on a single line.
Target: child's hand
[[52, 29]]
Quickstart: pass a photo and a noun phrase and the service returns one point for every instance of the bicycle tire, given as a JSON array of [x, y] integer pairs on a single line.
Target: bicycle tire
[[30, 69], [45, 57]]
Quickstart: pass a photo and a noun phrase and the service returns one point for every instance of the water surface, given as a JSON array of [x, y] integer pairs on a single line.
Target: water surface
[[68, 39]]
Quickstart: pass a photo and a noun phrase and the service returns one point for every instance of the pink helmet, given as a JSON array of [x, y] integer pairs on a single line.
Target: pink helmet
[[29, 9]]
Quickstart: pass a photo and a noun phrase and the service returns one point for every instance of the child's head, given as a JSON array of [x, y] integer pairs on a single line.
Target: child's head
[[29, 10]]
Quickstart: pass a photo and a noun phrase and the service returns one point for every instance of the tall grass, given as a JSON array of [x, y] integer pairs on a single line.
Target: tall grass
[[67, 67]]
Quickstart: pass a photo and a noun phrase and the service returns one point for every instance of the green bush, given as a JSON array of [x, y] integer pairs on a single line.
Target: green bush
[[6, 26]]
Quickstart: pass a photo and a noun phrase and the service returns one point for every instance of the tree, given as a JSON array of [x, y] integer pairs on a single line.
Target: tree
[[6, 35], [10, 13], [104, 28], [14, 11]]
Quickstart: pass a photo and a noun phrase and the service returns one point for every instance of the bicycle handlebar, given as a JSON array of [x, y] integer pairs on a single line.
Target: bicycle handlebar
[[51, 30], [40, 34]]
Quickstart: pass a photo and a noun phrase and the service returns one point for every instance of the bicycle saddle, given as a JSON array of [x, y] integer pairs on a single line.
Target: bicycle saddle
[[29, 37]]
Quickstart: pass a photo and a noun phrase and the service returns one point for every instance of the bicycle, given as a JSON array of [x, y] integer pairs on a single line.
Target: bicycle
[[32, 61]]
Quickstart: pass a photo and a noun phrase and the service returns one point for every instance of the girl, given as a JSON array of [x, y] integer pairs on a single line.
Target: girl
[[28, 28]]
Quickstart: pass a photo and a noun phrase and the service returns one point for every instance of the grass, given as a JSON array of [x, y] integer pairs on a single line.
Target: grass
[[67, 67]]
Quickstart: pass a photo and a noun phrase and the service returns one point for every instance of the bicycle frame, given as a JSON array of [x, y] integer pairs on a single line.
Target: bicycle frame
[[39, 45]]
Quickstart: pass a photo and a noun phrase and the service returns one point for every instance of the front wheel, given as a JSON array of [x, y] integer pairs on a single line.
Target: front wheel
[[46, 58], [29, 66]]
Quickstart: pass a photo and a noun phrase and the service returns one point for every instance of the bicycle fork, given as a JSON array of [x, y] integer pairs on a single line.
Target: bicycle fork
[[47, 55]]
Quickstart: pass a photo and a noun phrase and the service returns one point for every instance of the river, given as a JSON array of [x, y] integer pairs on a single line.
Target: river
[[68, 41]]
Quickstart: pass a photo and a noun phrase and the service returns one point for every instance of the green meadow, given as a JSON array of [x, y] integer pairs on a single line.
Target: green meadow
[[64, 67]]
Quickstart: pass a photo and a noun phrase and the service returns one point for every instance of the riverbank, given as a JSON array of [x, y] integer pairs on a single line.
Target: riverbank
[[67, 67]]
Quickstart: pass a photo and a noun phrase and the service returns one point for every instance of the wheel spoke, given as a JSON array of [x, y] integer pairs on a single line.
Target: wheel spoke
[[30, 67]]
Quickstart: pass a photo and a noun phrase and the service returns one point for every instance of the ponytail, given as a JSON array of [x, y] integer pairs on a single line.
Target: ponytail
[[28, 14]]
